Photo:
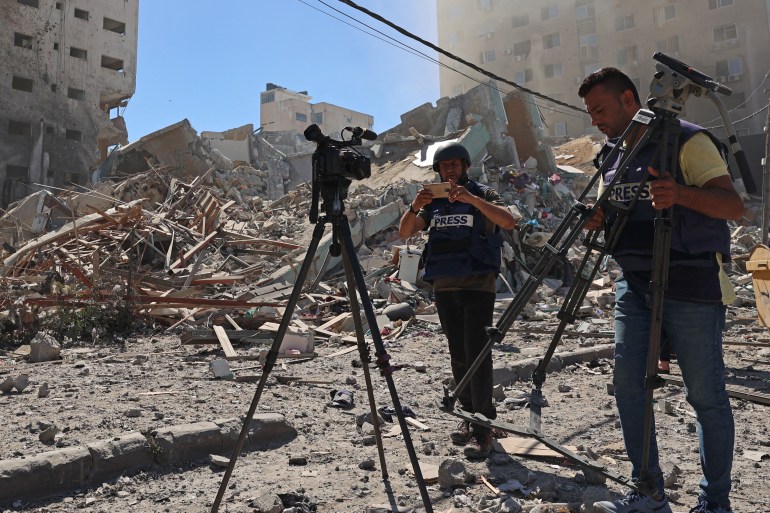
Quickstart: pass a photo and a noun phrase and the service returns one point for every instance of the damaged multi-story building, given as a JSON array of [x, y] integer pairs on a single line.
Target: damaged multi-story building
[[283, 110], [67, 68]]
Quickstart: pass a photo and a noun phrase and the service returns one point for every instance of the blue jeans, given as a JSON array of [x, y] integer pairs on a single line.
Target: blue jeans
[[694, 331]]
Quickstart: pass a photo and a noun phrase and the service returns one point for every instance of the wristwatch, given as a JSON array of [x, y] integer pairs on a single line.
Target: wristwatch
[[415, 212]]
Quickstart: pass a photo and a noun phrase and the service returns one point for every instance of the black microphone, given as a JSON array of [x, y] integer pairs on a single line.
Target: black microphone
[[362, 133]]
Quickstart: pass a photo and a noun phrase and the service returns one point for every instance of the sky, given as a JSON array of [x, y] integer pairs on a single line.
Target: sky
[[208, 60]]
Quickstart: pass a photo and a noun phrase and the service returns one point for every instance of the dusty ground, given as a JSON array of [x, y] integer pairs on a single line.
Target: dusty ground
[[93, 388]]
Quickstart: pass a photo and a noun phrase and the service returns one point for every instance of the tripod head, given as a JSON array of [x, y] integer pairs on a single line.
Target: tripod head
[[671, 86]]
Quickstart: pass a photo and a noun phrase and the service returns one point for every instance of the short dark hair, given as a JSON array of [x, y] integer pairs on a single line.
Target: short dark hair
[[611, 78]]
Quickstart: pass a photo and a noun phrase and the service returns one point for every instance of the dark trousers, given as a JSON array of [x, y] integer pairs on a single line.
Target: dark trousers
[[464, 315]]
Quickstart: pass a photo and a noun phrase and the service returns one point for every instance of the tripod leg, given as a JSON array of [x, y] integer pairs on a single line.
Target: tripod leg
[[363, 351], [272, 355], [658, 285], [382, 360]]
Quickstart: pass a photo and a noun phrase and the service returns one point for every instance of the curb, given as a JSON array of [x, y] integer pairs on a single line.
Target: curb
[[54, 472], [522, 370]]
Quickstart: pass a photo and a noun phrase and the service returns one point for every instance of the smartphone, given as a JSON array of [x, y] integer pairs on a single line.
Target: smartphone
[[439, 190]]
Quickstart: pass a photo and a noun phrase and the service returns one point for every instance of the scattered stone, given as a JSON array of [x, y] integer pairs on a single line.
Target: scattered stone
[[267, 503], [452, 473], [399, 312], [367, 464], [43, 348], [133, 413], [7, 385], [48, 435], [43, 390], [21, 382], [220, 368], [297, 460], [498, 393], [219, 461], [420, 367]]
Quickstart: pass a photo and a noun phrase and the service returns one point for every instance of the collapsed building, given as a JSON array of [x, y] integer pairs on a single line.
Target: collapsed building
[[181, 226]]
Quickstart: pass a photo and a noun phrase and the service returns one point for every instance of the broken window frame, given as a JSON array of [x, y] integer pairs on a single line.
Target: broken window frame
[[23, 40], [78, 53], [116, 26], [24, 84], [73, 135], [73, 93], [29, 3], [19, 128], [113, 63], [81, 14]]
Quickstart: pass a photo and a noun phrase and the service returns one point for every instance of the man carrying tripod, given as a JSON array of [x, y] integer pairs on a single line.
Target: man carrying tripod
[[702, 196]]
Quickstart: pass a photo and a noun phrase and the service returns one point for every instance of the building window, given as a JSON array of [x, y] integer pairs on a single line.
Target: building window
[[628, 56], [484, 5], [22, 40], [584, 12], [53, 88], [16, 172], [19, 128], [56, 46], [487, 56], [725, 33], [551, 40], [112, 63], [114, 26], [549, 11], [523, 76], [76, 94], [49, 129], [268, 98], [58, 6], [81, 14], [31, 3], [716, 4], [553, 70], [78, 53], [74, 135], [670, 45], [299, 116], [590, 68], [669, 12], [624, 22], [318, 118], [589, 46], [486, 30], [22, 84], [520, 20], [521, 50], [729, 69], [73, 179]]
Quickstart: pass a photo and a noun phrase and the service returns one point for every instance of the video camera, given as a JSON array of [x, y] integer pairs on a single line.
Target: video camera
[[335, 165]]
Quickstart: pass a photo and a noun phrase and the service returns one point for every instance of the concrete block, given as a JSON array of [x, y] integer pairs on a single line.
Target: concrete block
[[126, 454], [44, 474], [188, 442], [267, 430]]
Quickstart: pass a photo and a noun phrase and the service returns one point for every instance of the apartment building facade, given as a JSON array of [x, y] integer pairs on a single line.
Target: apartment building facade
[[283, 110], [549, 46], [67, 67]]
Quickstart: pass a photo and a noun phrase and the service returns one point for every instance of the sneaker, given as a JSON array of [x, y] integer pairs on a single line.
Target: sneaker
[[479, 445], [462, 434], [705, 506], [634, 502]]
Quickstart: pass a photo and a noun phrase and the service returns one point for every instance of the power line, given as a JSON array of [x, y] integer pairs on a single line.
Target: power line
[[744, 102], [403, 46], [458, 59], [740, 120]]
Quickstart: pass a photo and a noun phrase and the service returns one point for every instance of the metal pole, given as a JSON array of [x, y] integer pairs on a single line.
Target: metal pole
[[766, 183]]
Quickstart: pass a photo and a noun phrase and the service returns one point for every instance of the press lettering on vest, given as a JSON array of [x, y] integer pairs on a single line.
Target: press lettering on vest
[[626, 191], [452, 221]]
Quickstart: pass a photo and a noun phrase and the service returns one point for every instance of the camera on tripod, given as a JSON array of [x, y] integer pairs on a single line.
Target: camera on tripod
[[337, 158], [335, 165]]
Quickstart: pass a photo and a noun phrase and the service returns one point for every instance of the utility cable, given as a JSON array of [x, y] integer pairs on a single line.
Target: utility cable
[[458, 59], [403, 46], [740, 120], [744, 102]]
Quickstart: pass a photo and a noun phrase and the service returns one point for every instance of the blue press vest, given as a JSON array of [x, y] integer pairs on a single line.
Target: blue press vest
[[695, 237], [458, 244]]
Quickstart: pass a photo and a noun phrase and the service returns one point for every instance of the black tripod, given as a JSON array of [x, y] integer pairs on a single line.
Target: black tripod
[[333, 191], [661, 128]]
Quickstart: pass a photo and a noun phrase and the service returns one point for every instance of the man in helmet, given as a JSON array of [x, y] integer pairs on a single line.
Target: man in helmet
[[462, 259]]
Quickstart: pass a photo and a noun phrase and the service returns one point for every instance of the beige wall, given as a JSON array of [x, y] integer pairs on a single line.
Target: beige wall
[[493, 34], [61, 50]]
